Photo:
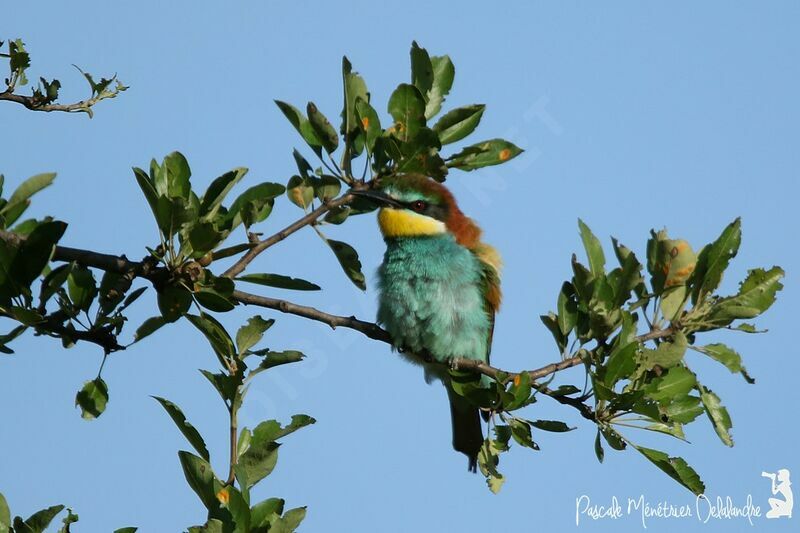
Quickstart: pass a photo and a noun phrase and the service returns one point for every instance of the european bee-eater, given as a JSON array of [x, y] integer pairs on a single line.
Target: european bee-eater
[[439, 287]]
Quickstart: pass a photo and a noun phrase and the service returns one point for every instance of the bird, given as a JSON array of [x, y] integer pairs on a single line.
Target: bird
[[438, 289]]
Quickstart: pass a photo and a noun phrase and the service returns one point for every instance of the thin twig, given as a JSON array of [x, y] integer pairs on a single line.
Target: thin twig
[[310, 218], [34, 104]]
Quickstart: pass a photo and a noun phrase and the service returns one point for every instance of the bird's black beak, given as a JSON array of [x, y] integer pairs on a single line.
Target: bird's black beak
[[383, 200]]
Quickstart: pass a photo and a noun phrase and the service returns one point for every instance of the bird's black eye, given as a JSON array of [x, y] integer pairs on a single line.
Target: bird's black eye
[[418, 206]]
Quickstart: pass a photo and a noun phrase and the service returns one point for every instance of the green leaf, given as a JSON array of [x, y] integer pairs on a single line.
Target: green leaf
[[420, 155], [272, 430], [5, 515], [300, 192], [255, 204], [245, 435], [302, 125], [369, 122], [213, 300], [323, 128], [218, 190], [27, 226], [443, 74], [225, 384], [612, 437], [621, 363], [551, 425], [289, 521], [201, 478], [82, 287], [756, 294], [92, 398], [567, 309], [582, 281], [149, 191], [272, 359], [727, 356], [683, 409], [148, 327], [232, 500], [19, 60], [112, 291], [594, 251], [28, 317], [550, 321], [279, 281], [230, 251], [407, 107], [213, 525], [675, 262], [521, 391], [484, 154], [667, 355], [672, 429], [52, 282], [38, 521], [337, 215], [34, 253], [598, 448], [348, 259], [487, 462], [672, 302], [215, 333], [172, 213], [251, 333], [126, 530], [421, 69], [47, 91], [303, 166], [263, 513], [714, 259], [257, 462], [177, 176], [458, 123], [747, 328], [718, 415], [521, 432], [327, 188], [677, 382], [20, 198], [354, 88], [629, 278], [188, 430], [565, 390], [174, 301], [674, 467]]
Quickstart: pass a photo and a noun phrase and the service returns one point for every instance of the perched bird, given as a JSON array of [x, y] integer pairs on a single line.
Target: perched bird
[[439, 287]]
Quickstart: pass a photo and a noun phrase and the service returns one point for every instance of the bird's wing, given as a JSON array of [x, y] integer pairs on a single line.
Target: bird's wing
[[491, 264]]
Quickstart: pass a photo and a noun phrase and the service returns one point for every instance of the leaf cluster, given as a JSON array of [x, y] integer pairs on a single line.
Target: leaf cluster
[[45, 94], [632, 326], [254, 453]]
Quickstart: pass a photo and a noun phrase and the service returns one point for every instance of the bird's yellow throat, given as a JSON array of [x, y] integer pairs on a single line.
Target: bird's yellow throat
[[404, 223]]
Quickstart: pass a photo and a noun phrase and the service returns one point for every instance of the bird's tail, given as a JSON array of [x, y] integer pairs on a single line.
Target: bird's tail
[[467, 431]]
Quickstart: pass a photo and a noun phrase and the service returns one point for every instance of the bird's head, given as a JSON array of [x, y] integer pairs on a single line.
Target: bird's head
[[413, 205]]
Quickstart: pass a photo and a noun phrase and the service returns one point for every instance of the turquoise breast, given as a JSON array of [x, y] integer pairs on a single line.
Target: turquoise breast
[[430, 298]]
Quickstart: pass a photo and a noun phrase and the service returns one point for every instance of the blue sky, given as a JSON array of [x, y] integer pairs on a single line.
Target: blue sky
[[634, 116]]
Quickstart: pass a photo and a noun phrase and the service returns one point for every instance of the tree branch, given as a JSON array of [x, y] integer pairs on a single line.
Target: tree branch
[[35, 103], [148, 269]]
